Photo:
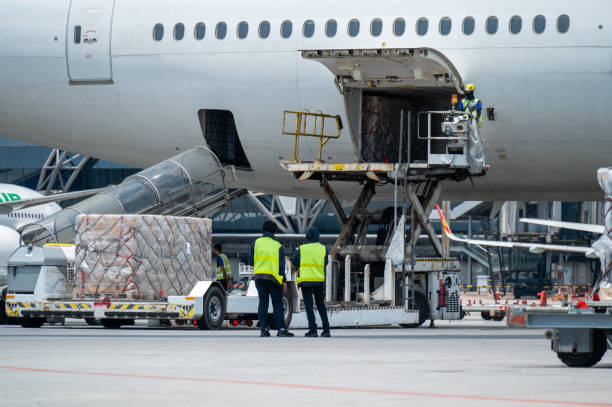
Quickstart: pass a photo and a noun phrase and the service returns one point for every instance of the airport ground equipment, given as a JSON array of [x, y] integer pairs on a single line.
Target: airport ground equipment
[[581, 331], [428, 147], [192, 183], [41, 281]]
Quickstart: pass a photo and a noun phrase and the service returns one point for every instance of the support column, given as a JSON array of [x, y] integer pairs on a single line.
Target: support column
[[347, 279], [469, 258], [389, 283], [366, 284]]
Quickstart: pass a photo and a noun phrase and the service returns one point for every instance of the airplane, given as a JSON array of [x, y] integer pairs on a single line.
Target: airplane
[[20, 206], [535, 248], [134, 82], [584, 227]]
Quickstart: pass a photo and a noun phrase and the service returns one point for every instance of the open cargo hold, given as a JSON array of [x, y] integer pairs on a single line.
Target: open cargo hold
[[145, 257]]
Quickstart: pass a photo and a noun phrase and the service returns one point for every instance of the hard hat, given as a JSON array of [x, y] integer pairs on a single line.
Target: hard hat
[[470, 87]]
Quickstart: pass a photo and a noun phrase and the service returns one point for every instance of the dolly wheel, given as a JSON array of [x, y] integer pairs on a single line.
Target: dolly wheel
[[214, 309], [587, 359]]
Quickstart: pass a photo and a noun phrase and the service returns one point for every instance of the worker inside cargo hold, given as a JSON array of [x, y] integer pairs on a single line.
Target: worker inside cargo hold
[[224, 270]]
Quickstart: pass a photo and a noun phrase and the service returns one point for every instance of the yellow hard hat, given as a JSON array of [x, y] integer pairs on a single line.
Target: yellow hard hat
[[470, 86]]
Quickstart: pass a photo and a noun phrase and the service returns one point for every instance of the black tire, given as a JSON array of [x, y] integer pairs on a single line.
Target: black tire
[[112, 323], [587, 359], [214, 309], [462, 313], [421, 304], [93, 321], [485, 315], [287, 313], [3, 317], [32, 322], [499, 317]]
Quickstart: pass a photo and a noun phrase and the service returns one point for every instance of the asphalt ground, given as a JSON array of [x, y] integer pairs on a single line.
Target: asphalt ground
[[461, 363]]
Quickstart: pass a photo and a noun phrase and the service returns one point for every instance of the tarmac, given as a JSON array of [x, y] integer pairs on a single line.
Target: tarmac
[[460, 363]]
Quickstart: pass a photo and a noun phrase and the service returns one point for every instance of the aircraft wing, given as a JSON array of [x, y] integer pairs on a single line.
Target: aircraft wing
[[585, 227], [533, 247], [8, 207]]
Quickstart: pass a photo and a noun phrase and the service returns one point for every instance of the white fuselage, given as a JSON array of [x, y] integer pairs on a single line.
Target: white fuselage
[[551, 91], [10, 239], [21, 217]]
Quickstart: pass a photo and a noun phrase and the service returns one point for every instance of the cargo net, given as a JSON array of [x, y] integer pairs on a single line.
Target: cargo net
[[603, 246], [140, 257]]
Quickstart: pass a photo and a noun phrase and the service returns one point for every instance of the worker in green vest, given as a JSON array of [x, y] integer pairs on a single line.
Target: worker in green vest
[[310, 259], [224, 270], [471, 104], [268, 260]]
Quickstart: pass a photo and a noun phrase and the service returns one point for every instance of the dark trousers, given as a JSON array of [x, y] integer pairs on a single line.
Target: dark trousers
[[318, 292], [267, 289]]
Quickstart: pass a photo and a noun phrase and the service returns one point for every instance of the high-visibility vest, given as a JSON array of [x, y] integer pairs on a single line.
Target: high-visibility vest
[[265, 258], [312, 262], [228, 268], [467, 104]]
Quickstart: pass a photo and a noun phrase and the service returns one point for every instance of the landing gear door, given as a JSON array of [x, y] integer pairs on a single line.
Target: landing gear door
[[88, 40]]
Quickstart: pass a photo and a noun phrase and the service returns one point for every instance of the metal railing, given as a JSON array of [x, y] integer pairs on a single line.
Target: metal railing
[[309, 124]]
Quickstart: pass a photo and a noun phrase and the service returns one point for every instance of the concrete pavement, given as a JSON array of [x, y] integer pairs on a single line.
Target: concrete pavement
[[463, 363]]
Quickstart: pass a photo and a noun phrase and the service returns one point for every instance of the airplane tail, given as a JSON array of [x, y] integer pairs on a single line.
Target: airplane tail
[[445, 226]]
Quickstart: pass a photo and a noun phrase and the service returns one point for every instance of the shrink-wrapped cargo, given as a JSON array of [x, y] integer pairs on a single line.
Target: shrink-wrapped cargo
[[141, 256]]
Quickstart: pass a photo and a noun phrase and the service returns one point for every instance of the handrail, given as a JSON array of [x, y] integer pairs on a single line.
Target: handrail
[[302, 128]]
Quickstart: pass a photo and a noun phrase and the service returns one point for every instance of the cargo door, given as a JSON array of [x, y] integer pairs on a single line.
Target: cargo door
[[88, 40], [382, 86]]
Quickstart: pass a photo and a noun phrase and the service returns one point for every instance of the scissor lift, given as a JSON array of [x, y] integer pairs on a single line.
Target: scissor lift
[[417, 187]]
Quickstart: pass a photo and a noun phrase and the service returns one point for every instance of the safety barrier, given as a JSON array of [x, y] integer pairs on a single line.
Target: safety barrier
[[309, 124]]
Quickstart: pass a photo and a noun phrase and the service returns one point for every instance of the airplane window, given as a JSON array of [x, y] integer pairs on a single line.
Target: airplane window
[[264, 29], [221, 31], [243, 30], [563, 24], [445, 25], [179, 31], [468, 25], [539, 24], [286, 29], [331, 28], [77, 34], [158, 32], [516, 23], [353, 27], [399, 26], [309, 28], [199, 31], [492, 25], [376, 27], [422, 26]]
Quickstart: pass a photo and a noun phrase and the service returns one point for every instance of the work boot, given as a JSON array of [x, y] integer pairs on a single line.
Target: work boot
[[265, 333], [311, 334], [325, 333], [285, 333]]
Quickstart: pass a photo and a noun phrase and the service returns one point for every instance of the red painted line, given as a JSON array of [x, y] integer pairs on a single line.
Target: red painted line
[[316, 387]]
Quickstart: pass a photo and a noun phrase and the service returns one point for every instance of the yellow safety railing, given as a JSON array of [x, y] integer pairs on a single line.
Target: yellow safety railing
[[309, 124]]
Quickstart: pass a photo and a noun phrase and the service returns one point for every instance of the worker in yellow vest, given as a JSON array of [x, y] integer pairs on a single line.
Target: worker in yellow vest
[[224, 270], [310, 259], [268, 260], [471, 104]]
